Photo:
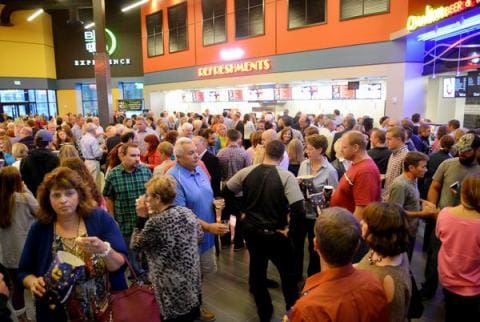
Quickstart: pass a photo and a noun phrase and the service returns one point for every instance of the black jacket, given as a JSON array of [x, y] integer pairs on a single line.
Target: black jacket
[[36, 165], [28, 141], [213, 167], [4, 310]]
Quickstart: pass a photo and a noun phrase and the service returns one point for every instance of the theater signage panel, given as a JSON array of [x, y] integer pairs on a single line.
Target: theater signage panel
[[237, 68], [433, 15]]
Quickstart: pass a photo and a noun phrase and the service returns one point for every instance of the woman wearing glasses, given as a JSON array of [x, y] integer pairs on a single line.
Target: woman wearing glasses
[[314, 173]]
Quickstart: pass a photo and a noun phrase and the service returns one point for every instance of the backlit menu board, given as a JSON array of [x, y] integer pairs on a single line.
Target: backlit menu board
[[198, 96], [283, 93], [301, 93], [235, 95], [449, 87], [342, 92], [369, 91], [216, 95], [323, 92], [473, 84], [260, 94], [460, 86]]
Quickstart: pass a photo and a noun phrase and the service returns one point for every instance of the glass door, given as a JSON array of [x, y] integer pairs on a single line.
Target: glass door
[[14, 110]]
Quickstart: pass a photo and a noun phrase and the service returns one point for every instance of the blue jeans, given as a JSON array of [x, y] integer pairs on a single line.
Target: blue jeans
[[134, 258]]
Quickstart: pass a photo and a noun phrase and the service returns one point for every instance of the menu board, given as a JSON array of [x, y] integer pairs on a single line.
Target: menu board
[[187, 97], [283, 93], [323, 92], [235, 95], [216, 95], [369, 91], [473, 84], [449, 87], [342, 92], [460, 86], [198, 96], [302, 93], [260, 94]]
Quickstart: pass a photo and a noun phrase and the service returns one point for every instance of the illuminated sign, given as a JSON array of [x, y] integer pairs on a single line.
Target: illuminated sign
[[89, 37], [433, 15], [235, 68], [111, 46]]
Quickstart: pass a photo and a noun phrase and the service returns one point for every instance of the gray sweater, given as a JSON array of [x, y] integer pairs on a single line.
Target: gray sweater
[[13, 238]]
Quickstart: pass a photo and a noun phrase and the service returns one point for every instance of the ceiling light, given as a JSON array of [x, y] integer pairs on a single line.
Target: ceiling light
[[134, 5], [90, 25], [35, 15]]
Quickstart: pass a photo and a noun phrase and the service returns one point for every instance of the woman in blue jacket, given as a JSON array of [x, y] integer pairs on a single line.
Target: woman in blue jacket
[[68, 221]]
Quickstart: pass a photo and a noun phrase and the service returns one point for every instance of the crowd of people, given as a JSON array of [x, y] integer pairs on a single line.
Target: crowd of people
[[165, 193]]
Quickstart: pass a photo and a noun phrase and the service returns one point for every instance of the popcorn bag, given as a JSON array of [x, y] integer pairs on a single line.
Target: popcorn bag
[[60, 278]]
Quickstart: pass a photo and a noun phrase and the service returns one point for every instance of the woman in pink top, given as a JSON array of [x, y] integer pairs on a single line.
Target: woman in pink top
[[458, 228]]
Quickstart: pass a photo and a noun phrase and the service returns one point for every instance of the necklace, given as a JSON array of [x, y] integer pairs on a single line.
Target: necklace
[[372, 260]]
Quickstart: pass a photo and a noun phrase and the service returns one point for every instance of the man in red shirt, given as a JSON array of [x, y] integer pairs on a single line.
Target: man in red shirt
[[340, 292], [361, 184]]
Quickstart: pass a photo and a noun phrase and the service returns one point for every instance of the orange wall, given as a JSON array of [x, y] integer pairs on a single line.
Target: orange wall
[[277, 38], [336, 33]]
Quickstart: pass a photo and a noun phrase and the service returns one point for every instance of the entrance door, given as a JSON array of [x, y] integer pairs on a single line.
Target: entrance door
[[14, 110]]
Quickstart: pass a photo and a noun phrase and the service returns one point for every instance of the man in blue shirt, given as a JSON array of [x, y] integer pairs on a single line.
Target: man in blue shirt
[[195, 192]]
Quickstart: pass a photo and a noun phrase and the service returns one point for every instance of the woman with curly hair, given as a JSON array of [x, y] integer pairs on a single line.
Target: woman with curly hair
[[69, 221], [385, 230], [79, 166]]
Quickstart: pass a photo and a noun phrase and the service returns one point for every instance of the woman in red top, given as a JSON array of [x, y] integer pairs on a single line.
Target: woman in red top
[[151, 158]]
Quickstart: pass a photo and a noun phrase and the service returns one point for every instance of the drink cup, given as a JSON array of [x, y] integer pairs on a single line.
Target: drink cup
[[219, 202], [328, 191]]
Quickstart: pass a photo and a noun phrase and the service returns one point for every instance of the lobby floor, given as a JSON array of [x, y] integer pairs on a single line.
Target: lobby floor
[[226, 292]]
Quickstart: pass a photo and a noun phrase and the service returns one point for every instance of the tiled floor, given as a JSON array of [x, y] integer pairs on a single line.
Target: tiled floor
[[226, 292]]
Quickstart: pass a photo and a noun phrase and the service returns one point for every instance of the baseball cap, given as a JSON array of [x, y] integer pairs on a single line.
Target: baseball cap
[[467, 142], [44, 135]]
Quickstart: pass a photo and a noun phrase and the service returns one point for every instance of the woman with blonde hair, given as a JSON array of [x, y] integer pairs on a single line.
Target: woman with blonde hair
[[169, 236], [6, 150], [19, 151], [67, 151], [17, 210], [255, 140], [295, 155]]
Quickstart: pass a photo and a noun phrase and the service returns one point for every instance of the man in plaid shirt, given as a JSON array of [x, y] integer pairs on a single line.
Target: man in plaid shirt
[[233, 158], [123, 185], [396, 144]]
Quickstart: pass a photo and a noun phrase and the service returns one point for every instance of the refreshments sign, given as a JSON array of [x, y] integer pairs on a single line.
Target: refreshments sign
[[433, 15], [237, 68]]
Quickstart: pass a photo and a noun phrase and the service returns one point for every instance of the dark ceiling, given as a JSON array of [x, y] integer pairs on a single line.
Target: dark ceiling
[[73, 6]]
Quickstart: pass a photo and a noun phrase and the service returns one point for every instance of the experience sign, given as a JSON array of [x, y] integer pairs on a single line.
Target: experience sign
[[433, 15], [111, 46], [235, 68]]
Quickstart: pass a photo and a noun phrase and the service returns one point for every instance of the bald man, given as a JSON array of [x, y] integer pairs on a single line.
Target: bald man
[[360, 185]]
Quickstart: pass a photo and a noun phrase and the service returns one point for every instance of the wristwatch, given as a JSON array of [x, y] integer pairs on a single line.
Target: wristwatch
[[106, 252]]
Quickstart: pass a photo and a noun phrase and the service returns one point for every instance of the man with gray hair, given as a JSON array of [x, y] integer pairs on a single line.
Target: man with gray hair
[[92, 152], [194, 192], [340, 292]]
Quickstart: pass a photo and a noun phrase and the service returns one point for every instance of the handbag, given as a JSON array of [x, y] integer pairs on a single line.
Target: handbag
[[137, 303]]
